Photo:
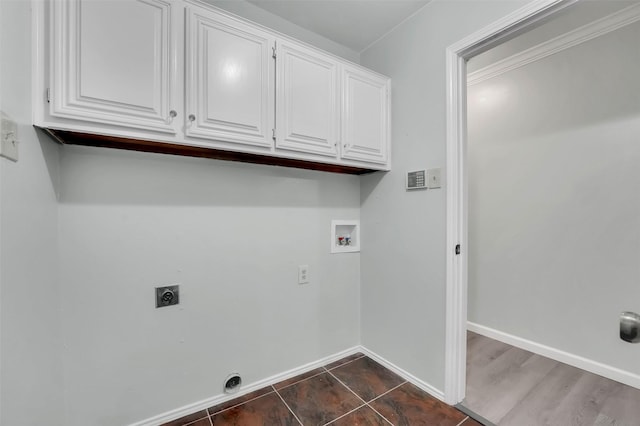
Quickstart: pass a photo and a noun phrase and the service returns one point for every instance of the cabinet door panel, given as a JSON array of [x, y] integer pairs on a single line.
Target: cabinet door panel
[[118, 67], [365, 126], [229, 87], [307, 101]]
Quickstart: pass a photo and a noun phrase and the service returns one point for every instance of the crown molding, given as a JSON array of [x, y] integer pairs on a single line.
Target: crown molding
[[572, 38]]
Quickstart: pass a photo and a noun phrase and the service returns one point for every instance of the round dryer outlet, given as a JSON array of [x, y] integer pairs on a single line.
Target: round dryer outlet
[[232, 383]]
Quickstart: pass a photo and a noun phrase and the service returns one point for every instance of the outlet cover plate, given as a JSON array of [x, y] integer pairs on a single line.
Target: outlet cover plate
[[303, 274], [8, 138]]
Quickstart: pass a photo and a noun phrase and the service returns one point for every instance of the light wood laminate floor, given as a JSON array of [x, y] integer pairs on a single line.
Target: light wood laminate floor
[[513, 387]]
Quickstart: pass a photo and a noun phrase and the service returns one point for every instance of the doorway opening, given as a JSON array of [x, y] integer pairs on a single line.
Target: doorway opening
[[523, 21]]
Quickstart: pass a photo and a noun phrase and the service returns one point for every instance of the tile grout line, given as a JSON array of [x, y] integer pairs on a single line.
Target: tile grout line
[[197, 420], [286, 405], [345, 414], [343, 384], [381, 395], [392, 389], [237, 405], [365, 402], [464, 420], [357, 396], [368, 404], [378, 413], [342, 365], [325, 370], [324, 367], [299, 381]]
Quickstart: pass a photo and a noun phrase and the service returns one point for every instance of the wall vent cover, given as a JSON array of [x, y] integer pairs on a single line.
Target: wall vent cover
[[417, 179]]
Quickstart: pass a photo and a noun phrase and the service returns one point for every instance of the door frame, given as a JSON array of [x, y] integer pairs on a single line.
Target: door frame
[[518, 22]]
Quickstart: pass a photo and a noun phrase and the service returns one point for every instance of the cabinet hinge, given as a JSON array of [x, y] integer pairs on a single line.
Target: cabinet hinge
[[48, 95], [273, 134], [274, 53]]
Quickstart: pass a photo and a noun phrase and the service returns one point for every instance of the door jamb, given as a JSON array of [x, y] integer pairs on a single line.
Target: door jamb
[[457, 54]]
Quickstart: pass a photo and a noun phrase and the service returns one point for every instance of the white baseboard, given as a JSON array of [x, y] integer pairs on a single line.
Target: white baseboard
[[589, 365], [431, 390], [218, 399]]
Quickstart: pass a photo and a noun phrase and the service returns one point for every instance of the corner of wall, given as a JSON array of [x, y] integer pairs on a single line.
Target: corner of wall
[[261, 16], [30, 346]]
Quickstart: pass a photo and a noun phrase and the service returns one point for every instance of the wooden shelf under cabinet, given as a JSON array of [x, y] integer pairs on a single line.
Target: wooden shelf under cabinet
[[103, 141]]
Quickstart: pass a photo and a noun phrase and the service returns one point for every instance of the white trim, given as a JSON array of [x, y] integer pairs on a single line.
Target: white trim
[[220, 398], [577, 361], [456, 266], [513, 24], [37, 16], [456, 283], [557, 44], [431, 390]]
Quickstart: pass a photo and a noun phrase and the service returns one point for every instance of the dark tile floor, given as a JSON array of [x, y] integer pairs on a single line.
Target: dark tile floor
[[352, 391]]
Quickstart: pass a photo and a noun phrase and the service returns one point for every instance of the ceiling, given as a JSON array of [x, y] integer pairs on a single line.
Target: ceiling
[[352, 23]]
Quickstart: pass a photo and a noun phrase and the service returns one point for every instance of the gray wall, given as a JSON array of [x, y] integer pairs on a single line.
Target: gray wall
[[403, 263], [554, 211], [82, 325], [233, 236], [31, 388]]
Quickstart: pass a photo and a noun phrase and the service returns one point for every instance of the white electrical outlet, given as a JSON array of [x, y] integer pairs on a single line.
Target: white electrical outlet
[[303, 274], [8, 137]]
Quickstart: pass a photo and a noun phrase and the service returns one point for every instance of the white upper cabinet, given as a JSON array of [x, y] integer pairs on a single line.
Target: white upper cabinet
[[229, 80], [365, 122], [184, 77], [114, 62], [307, 100]]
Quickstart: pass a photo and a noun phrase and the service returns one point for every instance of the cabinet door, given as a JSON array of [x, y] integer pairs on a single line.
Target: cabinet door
[[365, 125], [113, 62], [229, 80], [307, 108]]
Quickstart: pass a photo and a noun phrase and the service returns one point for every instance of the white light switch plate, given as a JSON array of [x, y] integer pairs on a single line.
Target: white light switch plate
[[8, 138]]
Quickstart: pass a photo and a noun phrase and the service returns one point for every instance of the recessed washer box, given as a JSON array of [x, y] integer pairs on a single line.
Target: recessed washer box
[[345, 236]]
